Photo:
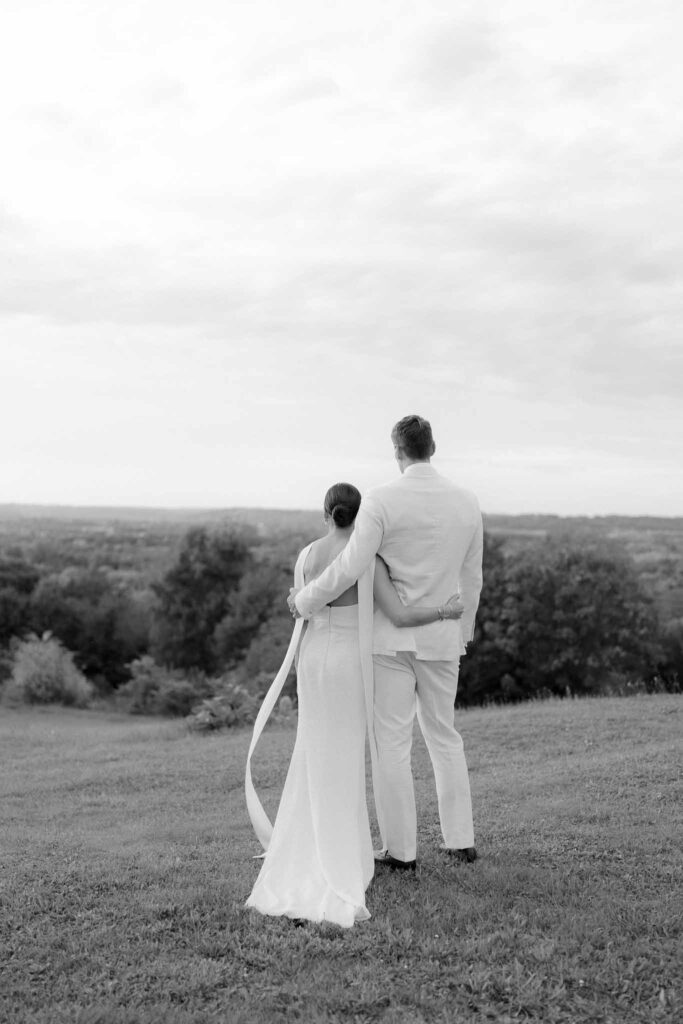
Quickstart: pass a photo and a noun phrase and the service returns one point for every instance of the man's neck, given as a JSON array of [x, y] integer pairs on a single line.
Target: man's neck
[[404, 463]]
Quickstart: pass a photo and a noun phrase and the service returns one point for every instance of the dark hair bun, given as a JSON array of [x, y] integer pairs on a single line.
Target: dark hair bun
[[342, 502], [343, 515]]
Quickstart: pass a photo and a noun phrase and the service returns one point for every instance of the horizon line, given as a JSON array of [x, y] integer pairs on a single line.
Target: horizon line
[[221, 509]]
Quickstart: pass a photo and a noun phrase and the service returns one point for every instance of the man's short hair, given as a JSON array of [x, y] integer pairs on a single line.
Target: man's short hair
[[413, 435]]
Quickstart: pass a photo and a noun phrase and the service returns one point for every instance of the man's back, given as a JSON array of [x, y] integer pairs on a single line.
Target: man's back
[[432, 544], [429, 532]]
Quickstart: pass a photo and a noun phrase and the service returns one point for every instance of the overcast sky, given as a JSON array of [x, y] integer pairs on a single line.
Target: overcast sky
[[238, 240]]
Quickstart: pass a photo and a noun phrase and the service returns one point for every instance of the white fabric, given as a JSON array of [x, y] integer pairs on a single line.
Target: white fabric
[[388, 638], [259, 818], [319, 858], [403, 685], [429, 532]]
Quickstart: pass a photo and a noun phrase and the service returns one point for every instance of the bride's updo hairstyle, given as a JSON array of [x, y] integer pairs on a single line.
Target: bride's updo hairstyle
[[342, 502]]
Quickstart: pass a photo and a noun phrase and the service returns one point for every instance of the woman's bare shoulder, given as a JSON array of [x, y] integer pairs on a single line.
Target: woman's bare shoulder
[[318, 557], [318, 548]]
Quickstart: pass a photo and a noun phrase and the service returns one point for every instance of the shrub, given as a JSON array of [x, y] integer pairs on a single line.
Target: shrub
[[177, 695], [286, 710], [139, 693], [43, 672], [156, 690], [232, 705]]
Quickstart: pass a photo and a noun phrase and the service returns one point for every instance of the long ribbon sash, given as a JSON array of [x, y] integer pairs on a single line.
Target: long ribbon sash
[[259, 819]]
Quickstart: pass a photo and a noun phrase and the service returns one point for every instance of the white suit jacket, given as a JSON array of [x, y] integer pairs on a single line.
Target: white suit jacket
[[429, 532]]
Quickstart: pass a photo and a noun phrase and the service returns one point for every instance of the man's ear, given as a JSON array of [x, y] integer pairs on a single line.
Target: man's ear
[[433, 447]]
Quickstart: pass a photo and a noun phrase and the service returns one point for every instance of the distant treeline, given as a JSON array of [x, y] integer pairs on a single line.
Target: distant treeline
[[569, 524], [173, 610]]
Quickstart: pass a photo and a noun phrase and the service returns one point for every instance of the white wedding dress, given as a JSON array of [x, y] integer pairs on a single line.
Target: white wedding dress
[[319, 858]]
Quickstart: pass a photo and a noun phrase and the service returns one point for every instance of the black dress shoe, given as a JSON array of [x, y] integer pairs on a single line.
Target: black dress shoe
[[468, 855], [385, 858]]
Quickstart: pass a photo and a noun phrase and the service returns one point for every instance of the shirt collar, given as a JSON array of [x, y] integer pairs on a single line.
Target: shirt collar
[[420, 469]]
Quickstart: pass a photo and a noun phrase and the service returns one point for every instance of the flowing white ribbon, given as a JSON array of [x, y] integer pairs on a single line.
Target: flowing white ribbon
[[365, 638], [259, 818]]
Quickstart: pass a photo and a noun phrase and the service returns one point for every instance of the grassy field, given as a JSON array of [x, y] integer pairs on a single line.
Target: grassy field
[[127, 857]]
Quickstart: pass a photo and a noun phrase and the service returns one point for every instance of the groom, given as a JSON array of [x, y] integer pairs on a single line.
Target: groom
[[429, 533]]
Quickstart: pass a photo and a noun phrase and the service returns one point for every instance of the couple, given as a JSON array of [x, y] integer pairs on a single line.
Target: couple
[[403, 551]]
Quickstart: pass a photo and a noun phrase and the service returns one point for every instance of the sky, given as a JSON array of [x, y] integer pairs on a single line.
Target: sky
[[239, 240]]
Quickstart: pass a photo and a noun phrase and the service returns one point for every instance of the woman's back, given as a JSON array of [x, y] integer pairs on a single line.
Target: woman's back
[[323, 552]]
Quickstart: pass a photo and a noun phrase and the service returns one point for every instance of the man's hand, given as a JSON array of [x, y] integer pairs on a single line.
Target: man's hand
[[293, 591], [454, 607]]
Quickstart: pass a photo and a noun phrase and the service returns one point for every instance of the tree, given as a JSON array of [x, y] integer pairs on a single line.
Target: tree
[[105, 628], [18, 580], [194, 596], [672, 664], [252, 639], [265, 655], [490, 658], [557, 619], [258, 600]]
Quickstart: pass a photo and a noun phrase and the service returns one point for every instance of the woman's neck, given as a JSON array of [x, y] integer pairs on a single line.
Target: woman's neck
[[341, 531]]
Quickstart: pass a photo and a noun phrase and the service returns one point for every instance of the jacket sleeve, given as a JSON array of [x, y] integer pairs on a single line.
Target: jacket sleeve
[[471, 580], [347, 566]]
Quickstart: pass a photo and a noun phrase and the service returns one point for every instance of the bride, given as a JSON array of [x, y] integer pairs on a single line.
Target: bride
[[319, 858]]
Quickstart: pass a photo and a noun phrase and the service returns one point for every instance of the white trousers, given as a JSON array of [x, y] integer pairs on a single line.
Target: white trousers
[[404, 685]]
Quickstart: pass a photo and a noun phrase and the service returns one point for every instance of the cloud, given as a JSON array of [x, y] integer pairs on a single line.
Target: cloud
[[51, 114], [161, 91], [12, 227], [451, 52], [588, 80], [521, 289], [654, 271], [476, 215], [642, 368], [308, 90]]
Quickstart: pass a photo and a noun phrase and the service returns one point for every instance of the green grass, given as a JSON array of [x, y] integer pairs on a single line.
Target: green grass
[[127, 857]]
